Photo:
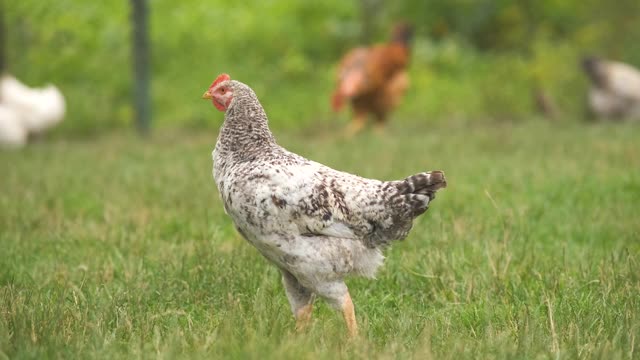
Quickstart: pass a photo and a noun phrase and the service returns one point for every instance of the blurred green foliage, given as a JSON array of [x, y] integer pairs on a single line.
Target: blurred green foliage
[[472, 60]]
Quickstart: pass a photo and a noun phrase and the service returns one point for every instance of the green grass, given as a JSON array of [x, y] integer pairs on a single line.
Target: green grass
[[119, 248]]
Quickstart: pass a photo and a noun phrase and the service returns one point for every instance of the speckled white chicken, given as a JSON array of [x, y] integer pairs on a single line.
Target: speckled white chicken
[[615, 89], [316, 224]]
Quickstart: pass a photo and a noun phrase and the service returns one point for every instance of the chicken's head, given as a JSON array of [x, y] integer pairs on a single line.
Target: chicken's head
[[220, 92], [402, 33]]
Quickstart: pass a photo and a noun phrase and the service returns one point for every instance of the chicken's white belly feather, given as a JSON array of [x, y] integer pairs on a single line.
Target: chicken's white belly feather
[[262, 201]]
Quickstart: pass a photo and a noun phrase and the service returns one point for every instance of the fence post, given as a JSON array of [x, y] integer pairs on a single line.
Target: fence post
[[3, 39], [140, 53]]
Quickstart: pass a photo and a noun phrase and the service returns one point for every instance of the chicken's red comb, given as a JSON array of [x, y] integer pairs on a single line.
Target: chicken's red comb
[[219, 79]]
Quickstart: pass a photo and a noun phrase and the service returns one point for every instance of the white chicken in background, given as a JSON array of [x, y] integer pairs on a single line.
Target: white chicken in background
[[12, 132], [37, 109], [615, 90]]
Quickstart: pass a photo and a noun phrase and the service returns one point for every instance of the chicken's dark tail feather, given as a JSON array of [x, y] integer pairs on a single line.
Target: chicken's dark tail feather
[[424, 183], [420, 189], [417, 191]]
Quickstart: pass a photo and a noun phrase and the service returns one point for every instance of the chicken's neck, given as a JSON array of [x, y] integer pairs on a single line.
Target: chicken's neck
[[245, 135]]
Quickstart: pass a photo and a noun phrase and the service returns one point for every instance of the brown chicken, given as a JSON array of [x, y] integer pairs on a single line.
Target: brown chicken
[[374, 79]]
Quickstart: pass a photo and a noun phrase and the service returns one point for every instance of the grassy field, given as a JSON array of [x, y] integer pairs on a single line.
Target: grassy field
[[119, 248]]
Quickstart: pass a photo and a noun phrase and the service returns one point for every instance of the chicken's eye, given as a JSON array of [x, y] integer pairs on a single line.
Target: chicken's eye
[[222, 90]]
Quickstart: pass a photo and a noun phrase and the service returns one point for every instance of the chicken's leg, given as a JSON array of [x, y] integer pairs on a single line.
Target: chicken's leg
[[300, 298], [349, 315], [338, 296], [380, 123], [357, 123], [303, 316]]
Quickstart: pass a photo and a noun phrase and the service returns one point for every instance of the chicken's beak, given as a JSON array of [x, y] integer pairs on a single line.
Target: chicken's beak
[[207, 95]]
